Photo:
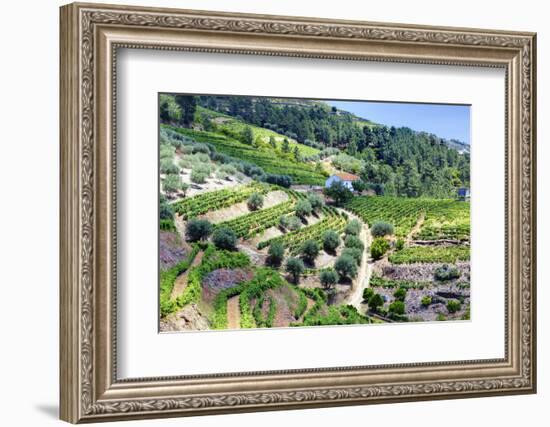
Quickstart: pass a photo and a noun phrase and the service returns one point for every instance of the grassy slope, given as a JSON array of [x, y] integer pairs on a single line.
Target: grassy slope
[[234, 125], [265, 157]]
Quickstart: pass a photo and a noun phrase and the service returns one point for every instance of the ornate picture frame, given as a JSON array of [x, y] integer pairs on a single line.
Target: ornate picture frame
[[90, 37]]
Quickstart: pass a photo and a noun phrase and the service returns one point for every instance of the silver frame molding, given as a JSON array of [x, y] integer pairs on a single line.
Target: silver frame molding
[[90, 37]]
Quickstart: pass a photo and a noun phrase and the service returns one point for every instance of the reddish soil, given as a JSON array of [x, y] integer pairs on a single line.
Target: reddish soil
[[171, 249], [285, 300], [223, 278]]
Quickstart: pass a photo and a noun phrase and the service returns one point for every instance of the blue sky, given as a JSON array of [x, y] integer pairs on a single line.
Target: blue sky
[[444, 120]]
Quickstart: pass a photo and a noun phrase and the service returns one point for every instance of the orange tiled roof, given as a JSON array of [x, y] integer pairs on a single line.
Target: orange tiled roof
[[344, 176]]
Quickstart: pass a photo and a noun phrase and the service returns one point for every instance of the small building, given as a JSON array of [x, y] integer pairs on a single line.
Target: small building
[[344, 177], [463, 194]]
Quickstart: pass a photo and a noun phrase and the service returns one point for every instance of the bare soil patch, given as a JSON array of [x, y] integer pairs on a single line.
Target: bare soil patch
[[223, 278], [270, 199], [172, 249], [285, 301], [270, 233], [211, 184], [189, 318], [233, 313]]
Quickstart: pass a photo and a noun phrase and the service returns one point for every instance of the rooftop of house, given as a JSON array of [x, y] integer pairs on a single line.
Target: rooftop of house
[[344, 176]]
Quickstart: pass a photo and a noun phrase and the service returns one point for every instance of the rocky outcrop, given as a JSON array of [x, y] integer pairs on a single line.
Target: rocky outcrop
[[189, 318]]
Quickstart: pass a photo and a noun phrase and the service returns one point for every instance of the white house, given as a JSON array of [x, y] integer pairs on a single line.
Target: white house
[[346, 178]]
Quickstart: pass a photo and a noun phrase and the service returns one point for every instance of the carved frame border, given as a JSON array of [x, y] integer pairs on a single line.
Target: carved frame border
[[89, 387]]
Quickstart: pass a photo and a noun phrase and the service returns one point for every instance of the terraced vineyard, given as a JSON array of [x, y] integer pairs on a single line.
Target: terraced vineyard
[[446, 220], [191, 207], [268, 160], [403, 213], [254, 223], [431, 254], [294, 239]]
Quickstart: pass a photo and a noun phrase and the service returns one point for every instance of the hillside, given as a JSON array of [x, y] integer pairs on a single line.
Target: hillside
[[250, 238], [305, 138]]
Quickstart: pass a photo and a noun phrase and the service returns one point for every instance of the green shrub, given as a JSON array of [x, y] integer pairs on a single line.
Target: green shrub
[[353, 228], [397, 307], [309, 250], [453, 306], [168, 166], [165, 210], [375, 302], [167, 225], [293, 223], [379, 247], [198, 229], [276, 253], [247, 136], [295, 267], [166, 152], [284, 221], [367, 293], [354, 242], [346, 266], [441, 317], [446, 272], [255, 201], [328, 278], [381, 229], [224, 238], [172, 183], [331, 241], [339, 193], [400, 244], [426, 300], [228, 169], [400, 294], [303, 208], [316, 201], [359, 185], [355, 253], [198, 176]]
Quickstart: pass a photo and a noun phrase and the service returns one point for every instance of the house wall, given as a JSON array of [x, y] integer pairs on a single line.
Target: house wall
[[334, 179]]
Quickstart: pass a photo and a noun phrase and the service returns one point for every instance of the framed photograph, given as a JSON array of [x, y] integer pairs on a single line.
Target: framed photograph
[[267, 212]]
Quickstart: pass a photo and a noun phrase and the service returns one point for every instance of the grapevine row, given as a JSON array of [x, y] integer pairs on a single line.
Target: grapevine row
[[246, 226], [294, 239], [201, 203]]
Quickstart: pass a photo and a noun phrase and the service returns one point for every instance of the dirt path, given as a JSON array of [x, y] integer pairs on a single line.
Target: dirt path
[[180, 226], [416, 227], [181, 280], [365, 269], [233, 313]]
